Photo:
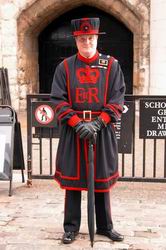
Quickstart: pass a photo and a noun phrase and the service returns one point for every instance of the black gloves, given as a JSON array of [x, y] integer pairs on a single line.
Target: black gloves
[[85, 130], [88, 130], [98, 124]]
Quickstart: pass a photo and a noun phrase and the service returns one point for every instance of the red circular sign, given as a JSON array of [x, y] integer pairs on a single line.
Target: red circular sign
[[44, 114]]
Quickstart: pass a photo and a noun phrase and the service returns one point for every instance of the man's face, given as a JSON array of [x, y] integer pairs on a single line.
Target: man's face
[[86, 45]]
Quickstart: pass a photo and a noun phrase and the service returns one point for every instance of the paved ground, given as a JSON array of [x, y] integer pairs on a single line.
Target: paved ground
[[32, 218]]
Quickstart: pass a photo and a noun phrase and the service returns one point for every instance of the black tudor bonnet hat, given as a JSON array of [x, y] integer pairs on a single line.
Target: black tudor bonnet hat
[[86, 26]]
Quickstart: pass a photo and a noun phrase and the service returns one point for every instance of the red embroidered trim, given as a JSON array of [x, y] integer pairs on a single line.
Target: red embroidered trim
[[107, 78], [93, 112], [105, 117], [85, 18], [120, 107], [60, 105], [85, 189], [68, 81], [116, 175], [66, 177], [64, 113], [82, 32], [73, 121], [88, 60], [105, 190], [112, 108]]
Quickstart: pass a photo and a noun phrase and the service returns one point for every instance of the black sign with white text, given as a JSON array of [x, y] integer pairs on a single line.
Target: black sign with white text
[[153, 118]]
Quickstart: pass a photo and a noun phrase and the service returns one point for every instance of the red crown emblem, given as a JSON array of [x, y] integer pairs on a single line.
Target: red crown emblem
[[87, 75]]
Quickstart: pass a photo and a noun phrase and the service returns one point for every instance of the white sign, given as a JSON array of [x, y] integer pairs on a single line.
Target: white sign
[[2, 151], [153, 118], [44, 114]]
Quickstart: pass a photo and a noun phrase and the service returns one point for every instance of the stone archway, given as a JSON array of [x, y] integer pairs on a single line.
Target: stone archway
[[37, 16]]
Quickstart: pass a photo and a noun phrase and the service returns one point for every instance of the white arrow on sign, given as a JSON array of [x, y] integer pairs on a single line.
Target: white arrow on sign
[[125, 109]]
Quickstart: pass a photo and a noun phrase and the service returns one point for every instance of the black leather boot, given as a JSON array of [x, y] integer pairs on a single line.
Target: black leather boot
[[69, 237], [111, 234]]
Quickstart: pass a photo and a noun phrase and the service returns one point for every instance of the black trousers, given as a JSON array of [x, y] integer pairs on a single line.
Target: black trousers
[[72, 211]]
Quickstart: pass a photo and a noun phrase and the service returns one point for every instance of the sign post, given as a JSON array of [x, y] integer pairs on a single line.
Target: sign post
[[124, 128]]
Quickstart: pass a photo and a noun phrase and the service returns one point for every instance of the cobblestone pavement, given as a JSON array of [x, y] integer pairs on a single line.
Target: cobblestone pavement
[[32, 218]]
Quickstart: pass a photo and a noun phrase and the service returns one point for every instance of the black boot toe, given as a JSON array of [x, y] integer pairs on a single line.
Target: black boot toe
[[69, 237], [111, 234]]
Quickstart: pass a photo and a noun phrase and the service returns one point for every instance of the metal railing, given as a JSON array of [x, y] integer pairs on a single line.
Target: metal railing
[[145, 163]]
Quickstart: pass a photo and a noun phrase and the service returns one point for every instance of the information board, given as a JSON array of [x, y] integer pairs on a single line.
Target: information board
[[152, 122]]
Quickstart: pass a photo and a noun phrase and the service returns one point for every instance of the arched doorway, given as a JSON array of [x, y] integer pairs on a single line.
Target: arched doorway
[[55, 44]]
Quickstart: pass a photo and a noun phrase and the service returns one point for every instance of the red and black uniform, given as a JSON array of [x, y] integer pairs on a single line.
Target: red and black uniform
[[81, 84], [95, 85]]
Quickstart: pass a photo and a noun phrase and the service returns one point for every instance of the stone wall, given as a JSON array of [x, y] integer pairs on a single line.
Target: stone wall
[[158, 48], [21, 21]]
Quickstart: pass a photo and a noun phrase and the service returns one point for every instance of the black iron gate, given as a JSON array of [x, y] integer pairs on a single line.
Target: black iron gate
[[141, 138]]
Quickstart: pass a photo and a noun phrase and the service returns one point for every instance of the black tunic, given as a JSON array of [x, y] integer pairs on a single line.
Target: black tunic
[[95, 84]]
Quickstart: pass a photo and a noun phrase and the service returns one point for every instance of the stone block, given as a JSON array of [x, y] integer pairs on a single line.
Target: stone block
[[9, 50], [9, 62], [155, 58], [9, 28], [12, 74], [8, 10], [158, 10], [9, 40]]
